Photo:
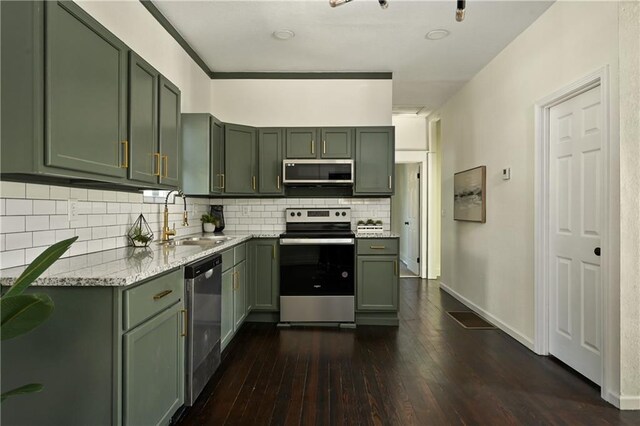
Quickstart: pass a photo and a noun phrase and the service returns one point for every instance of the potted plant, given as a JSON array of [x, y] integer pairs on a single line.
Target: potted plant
[[139, 238], [209, 222]]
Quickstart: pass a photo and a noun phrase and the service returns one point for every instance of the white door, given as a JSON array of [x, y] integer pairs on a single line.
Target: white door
[[412, 218], [575, 221]]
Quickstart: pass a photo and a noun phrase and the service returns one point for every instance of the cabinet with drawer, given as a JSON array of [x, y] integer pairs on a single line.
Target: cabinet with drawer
[[377, 276]]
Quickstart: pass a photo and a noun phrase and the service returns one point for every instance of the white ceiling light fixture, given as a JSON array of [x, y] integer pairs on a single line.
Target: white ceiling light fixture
[[283, 35], [333, 3], [438, 34]]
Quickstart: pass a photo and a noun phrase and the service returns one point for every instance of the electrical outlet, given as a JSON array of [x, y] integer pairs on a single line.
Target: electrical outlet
[[73, 210], [246, 210]]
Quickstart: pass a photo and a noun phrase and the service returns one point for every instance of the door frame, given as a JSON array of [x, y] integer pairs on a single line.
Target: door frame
[[541, 250], [403, 157]]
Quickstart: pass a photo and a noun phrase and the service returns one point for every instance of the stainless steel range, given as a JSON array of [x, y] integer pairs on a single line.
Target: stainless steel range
[[317, 257]]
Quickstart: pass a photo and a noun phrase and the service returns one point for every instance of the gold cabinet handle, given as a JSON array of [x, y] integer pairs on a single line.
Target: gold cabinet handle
[[162, 294], [184, 323], [324, 147], [253, 182], [157, 158], [278, 181], [235, 280], [222, 185], [313, 146], [377, 247], [126, 154], [165, 161], [395, 267], [389, 181]]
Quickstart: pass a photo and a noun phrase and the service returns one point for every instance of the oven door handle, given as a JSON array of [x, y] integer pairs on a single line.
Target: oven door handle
[[316, 241]]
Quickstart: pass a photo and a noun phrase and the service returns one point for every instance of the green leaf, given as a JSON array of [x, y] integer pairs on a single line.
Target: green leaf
[[39, 265], [23, 313], [30, 388]]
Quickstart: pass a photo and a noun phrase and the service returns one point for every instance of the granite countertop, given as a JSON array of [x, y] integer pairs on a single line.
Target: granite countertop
[[124, 266], [384, 234]]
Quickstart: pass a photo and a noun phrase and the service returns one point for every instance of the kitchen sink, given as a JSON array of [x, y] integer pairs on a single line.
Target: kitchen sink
[[199, 241]]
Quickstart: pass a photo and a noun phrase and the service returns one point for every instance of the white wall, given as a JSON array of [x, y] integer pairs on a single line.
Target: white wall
[[411, 132], [132, 23], [434, 202], [490, 121], [303, 102]]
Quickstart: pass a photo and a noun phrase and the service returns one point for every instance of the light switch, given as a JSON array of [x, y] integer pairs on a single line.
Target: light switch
[[73, 209], [506, 173], [246, 210]]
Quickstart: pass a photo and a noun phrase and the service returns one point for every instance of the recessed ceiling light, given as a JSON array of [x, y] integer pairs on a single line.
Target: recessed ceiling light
[[283, 34], [437, 34]]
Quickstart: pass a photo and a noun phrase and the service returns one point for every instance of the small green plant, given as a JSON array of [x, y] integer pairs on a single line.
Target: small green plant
[[208, 218], [378, 222], [370, 222], [361, 222], [22, 313], [140, 237]]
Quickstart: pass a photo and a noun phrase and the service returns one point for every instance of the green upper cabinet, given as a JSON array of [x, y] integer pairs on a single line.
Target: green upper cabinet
[[169, 125], [324, 142], [337, 142], [217, 156], [301, 142], [264, 257], [239, 159], [143, 121], [374, 161], [202, 161], [270, 161], [86, 93]]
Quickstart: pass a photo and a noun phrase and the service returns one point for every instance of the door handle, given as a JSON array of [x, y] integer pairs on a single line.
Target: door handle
[[126, 154], [278, 181], [406, 223], [165, 161], [222, 179], [313, 148], [157, 156], [395, 267], [162, 294], [184, 323], [253, 182], [596, 251], [324, 147], [389, 181]]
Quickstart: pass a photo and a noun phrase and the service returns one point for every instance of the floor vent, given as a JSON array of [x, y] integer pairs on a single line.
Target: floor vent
[[470, 320]]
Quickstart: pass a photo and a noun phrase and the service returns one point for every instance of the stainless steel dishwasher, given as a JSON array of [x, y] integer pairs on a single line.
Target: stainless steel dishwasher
[[203, 284]]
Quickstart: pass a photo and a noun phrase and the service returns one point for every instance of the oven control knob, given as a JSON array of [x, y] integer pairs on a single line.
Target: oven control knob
[[337, 213], [292, 214], [344, 213], [299, 214]]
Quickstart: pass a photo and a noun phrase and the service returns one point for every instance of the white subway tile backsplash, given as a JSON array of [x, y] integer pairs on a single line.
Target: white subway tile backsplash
[[83, 234], [62, 207], [19, 240], [58, 222], [94, 195], [65, 234], [12, 258], [79, 194], [122, 197], [81, 222], [37, 223], [31, 253], [37, 191], [18, 207], [79, 247], [2, 242], [59, 193], [98, 208], [12, 189], [109, 196], [44, 207], [94, 245], [44, 238]]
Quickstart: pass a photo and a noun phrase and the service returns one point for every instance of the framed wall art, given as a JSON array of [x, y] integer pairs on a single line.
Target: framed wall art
[[470, 195]]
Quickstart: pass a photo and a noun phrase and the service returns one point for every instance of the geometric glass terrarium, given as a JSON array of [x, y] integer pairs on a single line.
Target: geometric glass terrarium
[[140, 234]]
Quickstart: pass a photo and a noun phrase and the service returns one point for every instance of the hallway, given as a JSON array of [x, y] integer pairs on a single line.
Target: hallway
[[429, 370]]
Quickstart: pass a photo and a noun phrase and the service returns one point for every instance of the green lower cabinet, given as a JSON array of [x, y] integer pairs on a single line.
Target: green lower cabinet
[[227, 307], [265, 274], [153, 369], [377, 283], [240, 295]]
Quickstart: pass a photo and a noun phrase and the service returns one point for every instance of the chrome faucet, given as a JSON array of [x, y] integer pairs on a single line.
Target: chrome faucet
[[166, 231]]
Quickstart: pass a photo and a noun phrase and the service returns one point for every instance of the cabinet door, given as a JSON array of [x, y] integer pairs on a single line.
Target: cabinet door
[[228, 282], [377, 283], [270, 161], [301, 142], [336, 142], [239, 159], [217, 156], [153, 375], [86, 96], [169, 125], [143, 121], [266, 274], [374, 160], [240, 294]]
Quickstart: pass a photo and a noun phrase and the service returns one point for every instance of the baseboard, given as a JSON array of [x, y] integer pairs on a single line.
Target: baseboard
[[521, 338], [622, 402], [377, 318]]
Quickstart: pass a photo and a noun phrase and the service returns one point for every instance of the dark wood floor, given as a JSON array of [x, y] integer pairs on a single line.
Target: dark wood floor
[[427, 371]]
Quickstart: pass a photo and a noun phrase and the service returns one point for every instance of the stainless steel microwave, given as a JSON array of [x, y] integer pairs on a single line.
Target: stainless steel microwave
[[299, 172]]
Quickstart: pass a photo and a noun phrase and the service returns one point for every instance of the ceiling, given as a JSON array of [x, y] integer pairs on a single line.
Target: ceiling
[[236, 36]]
